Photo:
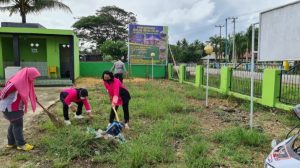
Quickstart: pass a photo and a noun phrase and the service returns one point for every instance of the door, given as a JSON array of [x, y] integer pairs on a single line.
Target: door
[[65, 65]]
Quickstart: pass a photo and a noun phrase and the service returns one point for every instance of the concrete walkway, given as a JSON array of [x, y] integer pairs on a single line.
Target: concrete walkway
[[46, 96]]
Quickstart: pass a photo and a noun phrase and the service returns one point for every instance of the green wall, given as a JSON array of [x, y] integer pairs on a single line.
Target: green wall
[[271, 89], [32, 54], [94, 68], [7, 47], [144, 71], [1, 60], [76, 58]]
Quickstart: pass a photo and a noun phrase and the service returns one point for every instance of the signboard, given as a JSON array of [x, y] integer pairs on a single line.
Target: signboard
[[144, 40], [279, 37]]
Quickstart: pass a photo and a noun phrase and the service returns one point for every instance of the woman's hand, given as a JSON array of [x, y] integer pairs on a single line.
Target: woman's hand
[[115, 100], [73, 108]]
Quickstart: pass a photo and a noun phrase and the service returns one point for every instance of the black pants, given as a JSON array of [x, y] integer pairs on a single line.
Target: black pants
[[125, 110], [15, 130], [66, 110], [66, 107], [119, 76]]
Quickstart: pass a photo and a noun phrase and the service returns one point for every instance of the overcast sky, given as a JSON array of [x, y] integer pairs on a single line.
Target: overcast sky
[[190, 19]]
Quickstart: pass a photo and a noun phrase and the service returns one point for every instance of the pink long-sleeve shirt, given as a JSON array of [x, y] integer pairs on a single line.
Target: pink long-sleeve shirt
[[72, 97], [113, 89]]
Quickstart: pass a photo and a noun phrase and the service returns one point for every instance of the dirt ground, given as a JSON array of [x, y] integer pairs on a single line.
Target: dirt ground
[[46, 96], [91, 82]]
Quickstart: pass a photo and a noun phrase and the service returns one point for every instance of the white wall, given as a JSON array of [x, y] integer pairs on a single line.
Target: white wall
[[280, 33]]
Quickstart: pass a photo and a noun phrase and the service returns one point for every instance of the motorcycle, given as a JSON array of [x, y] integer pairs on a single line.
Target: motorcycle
[[286, 154]]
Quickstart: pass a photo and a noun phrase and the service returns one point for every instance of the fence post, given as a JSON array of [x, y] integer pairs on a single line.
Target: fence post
[[170, 66], [199, 75], [181, 73], [270, 87], [226, 74]]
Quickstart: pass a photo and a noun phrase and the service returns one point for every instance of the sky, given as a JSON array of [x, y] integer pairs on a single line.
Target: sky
[[190, 19]]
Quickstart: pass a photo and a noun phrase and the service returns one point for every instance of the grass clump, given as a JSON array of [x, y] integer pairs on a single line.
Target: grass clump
[[197, 152], [240, 136], [72, 142]]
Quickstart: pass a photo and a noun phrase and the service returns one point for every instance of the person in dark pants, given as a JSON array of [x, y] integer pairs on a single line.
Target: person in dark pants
[[78, 96], [14, 102], [119, 96], [119, 69]]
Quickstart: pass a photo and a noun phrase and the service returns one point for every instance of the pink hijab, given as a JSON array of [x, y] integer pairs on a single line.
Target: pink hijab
[[23, 80]]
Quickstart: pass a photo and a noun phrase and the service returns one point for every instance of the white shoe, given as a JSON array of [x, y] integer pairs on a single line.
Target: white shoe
[[67, 122], [108, 125], [126, 126], [78, 116]]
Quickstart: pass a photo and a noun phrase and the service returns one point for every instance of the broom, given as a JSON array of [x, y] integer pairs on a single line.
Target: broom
[[116, 114], [54, 119]]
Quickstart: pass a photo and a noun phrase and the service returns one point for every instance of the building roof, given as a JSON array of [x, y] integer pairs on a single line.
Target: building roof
[[39, 31]]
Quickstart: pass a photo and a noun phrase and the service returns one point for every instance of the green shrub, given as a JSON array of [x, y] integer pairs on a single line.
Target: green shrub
[[241, 136]]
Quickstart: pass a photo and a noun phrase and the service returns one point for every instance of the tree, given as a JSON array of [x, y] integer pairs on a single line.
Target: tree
[[25, 7], [109, 23], [240, 44], [118, 14], [185, 52], [249, 38], [116, 49], [219, 45]]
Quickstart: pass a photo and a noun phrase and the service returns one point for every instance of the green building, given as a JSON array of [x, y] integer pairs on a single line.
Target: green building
[[53, 52]]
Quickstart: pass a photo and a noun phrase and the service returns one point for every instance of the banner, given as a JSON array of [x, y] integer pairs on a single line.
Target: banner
[[145, 41]]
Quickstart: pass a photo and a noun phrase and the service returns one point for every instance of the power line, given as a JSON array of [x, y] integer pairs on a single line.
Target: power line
[[220, 26]]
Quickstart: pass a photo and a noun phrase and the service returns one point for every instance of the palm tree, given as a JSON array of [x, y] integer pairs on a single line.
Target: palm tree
[[25, 7]]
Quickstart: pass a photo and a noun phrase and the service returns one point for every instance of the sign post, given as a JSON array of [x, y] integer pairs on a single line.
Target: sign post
[[152, 56], [208, 50]]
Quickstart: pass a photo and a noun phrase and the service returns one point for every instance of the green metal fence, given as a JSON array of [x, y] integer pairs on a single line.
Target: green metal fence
[[241, 82], [214, 77], [190, 73], [237, 83], [289, 87]]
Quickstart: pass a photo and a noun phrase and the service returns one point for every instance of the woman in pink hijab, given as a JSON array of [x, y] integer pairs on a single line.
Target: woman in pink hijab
[[14, 102]]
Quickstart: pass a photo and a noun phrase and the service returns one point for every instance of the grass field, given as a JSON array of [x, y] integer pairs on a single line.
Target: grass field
[[170, 127]]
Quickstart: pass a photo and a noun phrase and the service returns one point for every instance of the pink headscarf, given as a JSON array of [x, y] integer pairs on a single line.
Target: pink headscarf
[[23, 80]]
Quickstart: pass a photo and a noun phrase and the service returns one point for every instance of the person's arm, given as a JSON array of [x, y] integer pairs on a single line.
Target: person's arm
[[87, 105], [124, 67], [116, 90], [9, 88], [112, 68]]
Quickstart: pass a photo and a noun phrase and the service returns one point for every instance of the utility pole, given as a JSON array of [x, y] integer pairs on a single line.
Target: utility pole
[[220, 43], [233, 45], [234, 50], [220, 26]]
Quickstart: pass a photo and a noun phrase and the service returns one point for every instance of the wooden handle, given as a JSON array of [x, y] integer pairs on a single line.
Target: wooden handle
[[116, 114], [42, 107]]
